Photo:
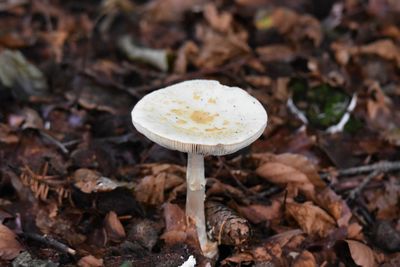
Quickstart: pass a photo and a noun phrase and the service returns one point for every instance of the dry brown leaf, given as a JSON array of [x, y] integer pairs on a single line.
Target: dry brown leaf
[[257, 213], [275, 53], [294, 170], [170, 10], [185, 55], [361, 254], [284, 238], [354, 231], [115, 230], [56, 40], [335, 205], [176, 230], [150, 190], [217, 48], [386, 49], [6, 135], [90, 261], [175, 224], [295, 26], [305, 259], [222, 189], [221, 22], [378, 103], [258, 81], [90, 181], [9, 246], [312, 219]]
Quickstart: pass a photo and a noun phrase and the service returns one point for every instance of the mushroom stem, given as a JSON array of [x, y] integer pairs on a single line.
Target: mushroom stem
[[196, 185]]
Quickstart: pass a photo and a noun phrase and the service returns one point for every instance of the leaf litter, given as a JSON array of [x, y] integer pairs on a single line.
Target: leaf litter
[[75, 176]]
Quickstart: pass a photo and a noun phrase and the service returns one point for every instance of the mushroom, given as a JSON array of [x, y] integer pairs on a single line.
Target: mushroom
[[200, 117]]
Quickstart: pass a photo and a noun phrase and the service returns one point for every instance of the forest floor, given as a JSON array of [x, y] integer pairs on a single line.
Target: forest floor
[[79, 186]]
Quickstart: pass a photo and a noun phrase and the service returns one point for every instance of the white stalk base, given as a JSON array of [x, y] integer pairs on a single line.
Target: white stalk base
[[196, 185]]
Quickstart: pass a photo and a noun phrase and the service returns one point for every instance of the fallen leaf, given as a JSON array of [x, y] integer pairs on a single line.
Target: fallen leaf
[[115, 230], [90, 181], [383, 48], [90, 261], [294, 170], [276, 53], [185, 55], [335, 205], [305, 259], [150, 190], [7, 136], [9, 246], [217, 48], [220, 22], [171, 10], [361, 254], [312, 219], [378, 102], [155, 57], [94, 97], [258, 213], [291, 24], [22, 77]]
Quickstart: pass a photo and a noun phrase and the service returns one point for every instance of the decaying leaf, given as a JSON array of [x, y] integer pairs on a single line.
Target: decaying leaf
[[221, 22], [312, 219], [21, 76], [171, 10], [294, 170], [150, 190], [272, 248], [335, 205], [94, 97], [360, 254], [186, 55], [6, 135], [217, 47], [257, 213], [156, 58], [9, 246], [305, 259], [383, 48], [90, 181], [115, 230], [291, 24], [158, 179], [90, 261], [175, 224]]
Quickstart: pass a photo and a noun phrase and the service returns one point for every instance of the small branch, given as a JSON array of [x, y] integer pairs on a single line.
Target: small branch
[[54, 141], [383, 166], [356, 191], [49, 241]]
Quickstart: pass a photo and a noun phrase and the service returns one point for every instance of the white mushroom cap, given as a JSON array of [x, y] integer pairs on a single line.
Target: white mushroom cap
[[200, 116]]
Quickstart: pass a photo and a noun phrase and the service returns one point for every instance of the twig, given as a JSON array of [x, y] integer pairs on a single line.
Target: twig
[[383, 166], [54, 141], [356, 191], [50, 242]]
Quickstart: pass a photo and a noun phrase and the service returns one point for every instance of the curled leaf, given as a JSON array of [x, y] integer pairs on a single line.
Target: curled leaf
[[312, 219], [9, 246], [156, 57]]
